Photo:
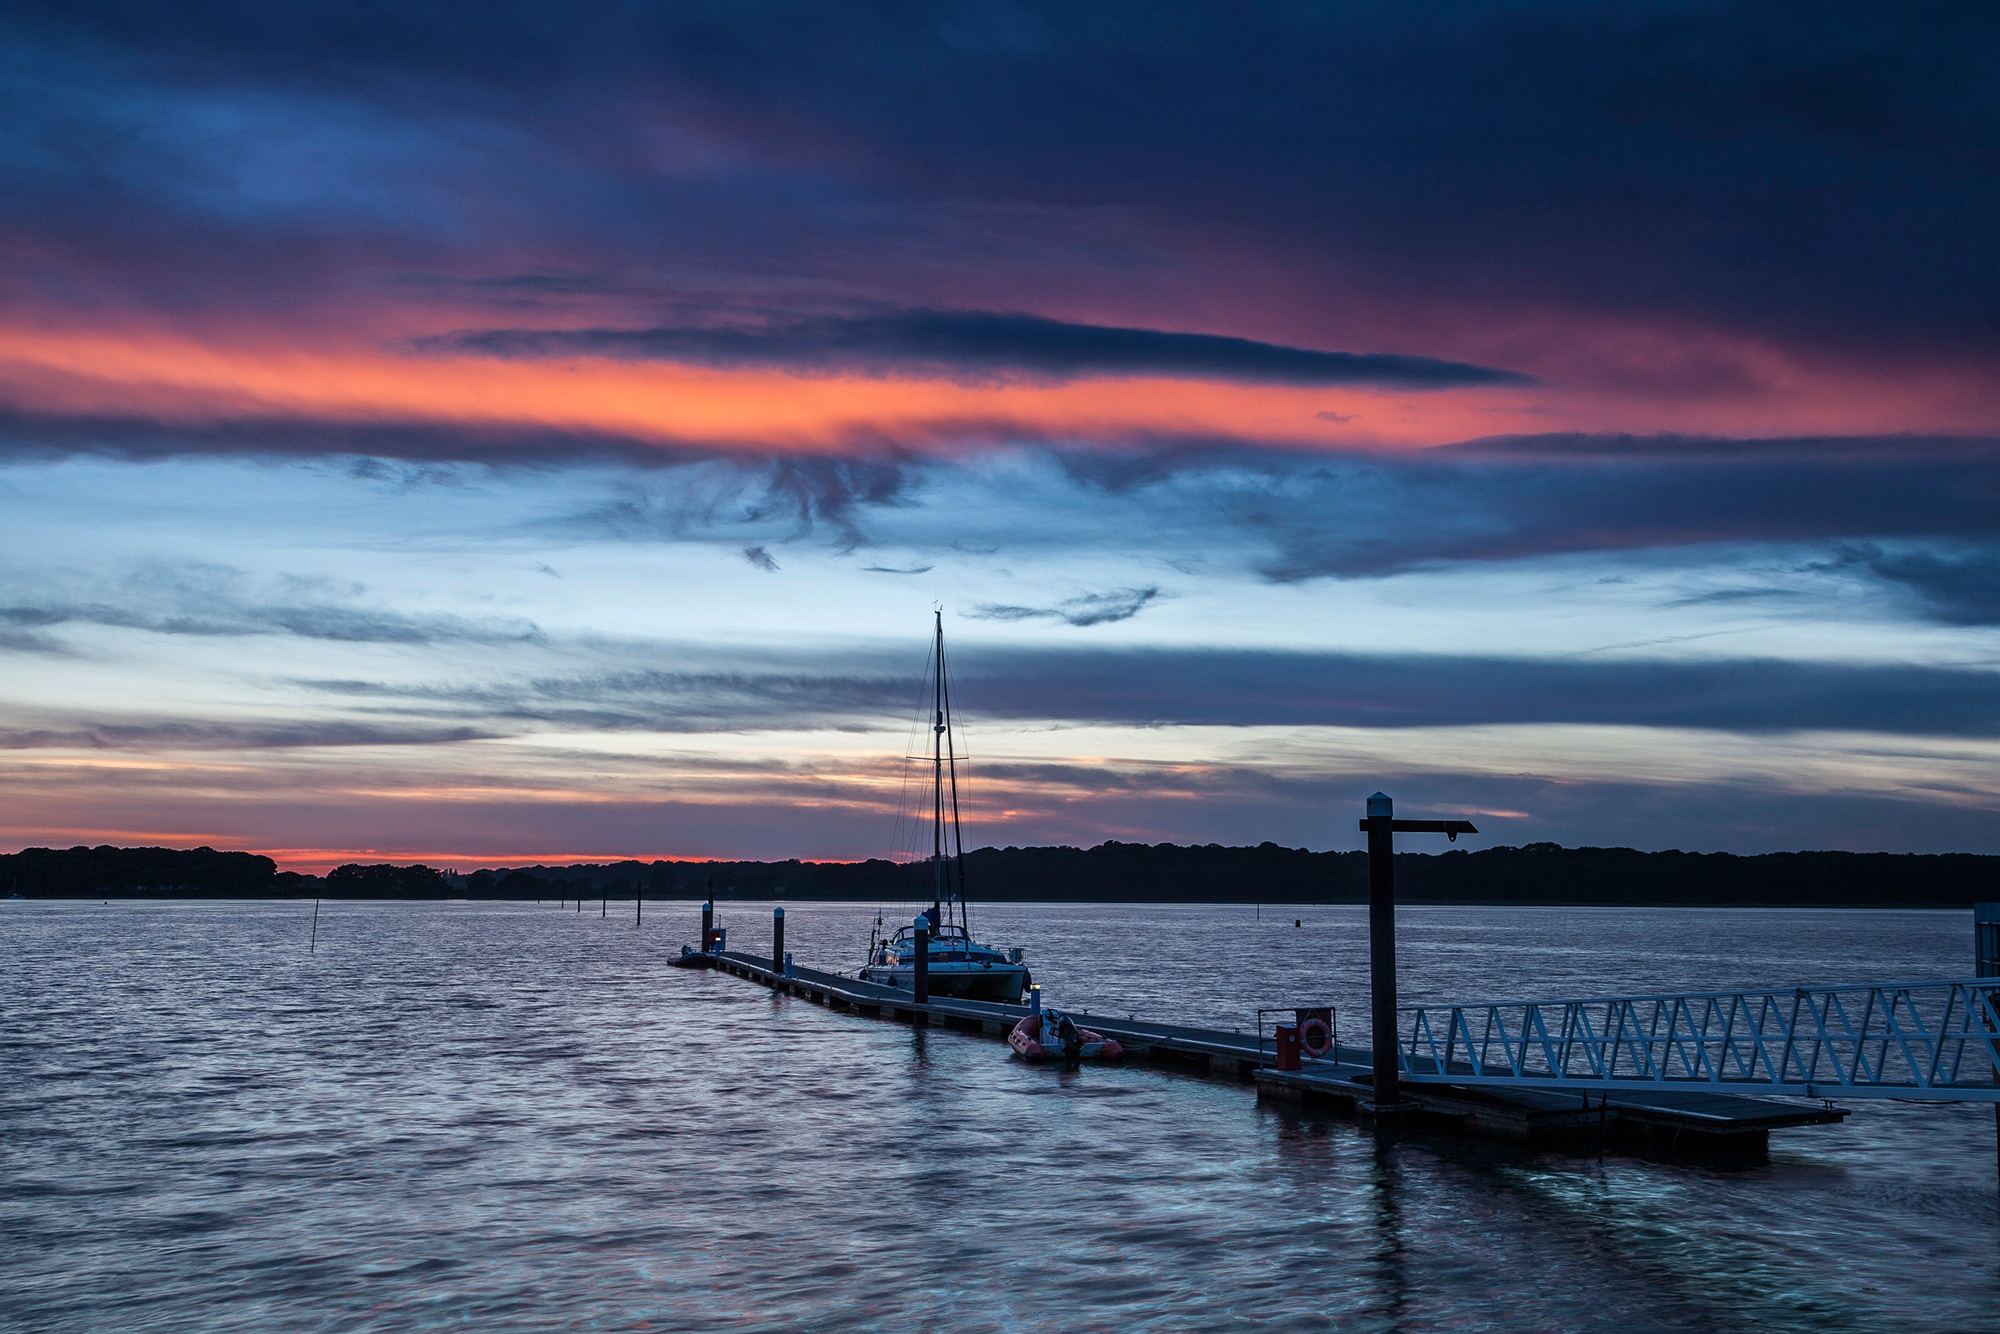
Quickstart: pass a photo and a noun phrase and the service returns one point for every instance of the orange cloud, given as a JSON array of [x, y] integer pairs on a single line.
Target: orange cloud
[[194, 381]]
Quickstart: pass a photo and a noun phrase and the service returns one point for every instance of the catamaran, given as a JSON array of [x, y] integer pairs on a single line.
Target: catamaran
[[958, 964]]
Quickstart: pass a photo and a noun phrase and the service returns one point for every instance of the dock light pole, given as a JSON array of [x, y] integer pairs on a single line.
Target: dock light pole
[[778, 940], [1381, 826], [920, 971]]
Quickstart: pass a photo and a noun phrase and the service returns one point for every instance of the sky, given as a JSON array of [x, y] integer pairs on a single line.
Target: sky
[[488, 434]]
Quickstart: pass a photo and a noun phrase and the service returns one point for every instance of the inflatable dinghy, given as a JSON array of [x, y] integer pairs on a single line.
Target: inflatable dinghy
[[1051, 1035]]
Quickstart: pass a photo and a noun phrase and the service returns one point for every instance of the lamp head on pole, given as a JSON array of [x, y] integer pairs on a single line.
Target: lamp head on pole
[[1381, 807]]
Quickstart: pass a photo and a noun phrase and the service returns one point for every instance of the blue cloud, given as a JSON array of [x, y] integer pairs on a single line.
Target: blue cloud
[[1086, 609]]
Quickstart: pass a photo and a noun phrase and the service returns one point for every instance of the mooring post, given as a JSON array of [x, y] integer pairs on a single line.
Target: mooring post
[[920, 980], [1986, 963], [1381, 826], [778, 940], [638, 906], [708, 925]]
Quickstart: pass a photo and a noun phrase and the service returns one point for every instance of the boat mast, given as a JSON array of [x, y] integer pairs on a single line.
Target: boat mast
[[938, 888]]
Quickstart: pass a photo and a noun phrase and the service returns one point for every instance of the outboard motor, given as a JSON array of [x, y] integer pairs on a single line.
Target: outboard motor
[[1059, 1032]]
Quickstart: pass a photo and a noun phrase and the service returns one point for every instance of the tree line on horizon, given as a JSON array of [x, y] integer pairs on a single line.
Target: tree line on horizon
[[1539, 873]]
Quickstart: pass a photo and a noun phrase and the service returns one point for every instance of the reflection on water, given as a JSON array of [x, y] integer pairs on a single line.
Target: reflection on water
[[504, 1116]]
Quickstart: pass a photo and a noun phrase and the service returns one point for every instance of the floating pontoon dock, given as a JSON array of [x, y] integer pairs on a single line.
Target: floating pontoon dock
[[1701, 1122], [1710, 1072]]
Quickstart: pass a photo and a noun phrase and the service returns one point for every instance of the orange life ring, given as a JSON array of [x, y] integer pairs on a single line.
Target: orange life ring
[[1316, 1036]]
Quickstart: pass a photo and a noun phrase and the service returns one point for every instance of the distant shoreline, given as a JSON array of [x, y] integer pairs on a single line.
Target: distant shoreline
[[1538, 875], [721, 900]]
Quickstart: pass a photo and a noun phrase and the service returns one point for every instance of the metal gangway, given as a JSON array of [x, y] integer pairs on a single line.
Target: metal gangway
[[1925, 1041]]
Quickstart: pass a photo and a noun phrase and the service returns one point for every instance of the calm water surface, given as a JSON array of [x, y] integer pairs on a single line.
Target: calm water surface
[[510, 1116]]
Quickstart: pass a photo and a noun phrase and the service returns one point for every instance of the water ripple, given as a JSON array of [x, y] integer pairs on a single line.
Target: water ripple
[[508, 1117]]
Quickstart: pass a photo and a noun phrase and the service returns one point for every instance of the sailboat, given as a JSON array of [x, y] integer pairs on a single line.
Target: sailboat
[[958, 965]]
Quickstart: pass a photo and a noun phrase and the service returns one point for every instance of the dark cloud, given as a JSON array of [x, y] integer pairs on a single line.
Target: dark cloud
[[826, 501], [1707, 161], [307, 621], [886, 569], [1958, 587], [831, 490], [1733, 595], [1355, 515], [29, 435], [771, 694], [1228, 688], [289, 734], [14, 639], [981, 346], [1216, 687], [1668, 447], [211, 602], [1120, 604]]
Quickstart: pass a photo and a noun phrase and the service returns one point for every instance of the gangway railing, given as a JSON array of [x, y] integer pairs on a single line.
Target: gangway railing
[[1928, 1041]]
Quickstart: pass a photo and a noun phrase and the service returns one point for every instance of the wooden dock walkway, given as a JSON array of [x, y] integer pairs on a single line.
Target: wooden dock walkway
[[1694, 1122]]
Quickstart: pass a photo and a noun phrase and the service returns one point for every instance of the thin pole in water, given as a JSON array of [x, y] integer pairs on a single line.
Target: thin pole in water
[[315, 936], [638, 908], [604, 909]]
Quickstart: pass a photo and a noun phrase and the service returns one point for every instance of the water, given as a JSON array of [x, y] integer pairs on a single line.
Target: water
[[498, 1116]]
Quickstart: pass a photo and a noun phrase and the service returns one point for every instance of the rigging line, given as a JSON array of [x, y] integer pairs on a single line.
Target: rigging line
[[904, 838], [903, 844], [957, 831]]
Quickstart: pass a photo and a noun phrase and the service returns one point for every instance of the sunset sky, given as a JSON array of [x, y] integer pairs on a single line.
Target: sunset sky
[[499, 433]]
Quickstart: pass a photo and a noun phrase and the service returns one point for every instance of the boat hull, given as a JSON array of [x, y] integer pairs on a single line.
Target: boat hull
[[1003, 983], [1091, 1046]]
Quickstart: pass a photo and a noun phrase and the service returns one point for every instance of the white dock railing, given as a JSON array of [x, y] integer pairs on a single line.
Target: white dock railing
[[1929, 1041]]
